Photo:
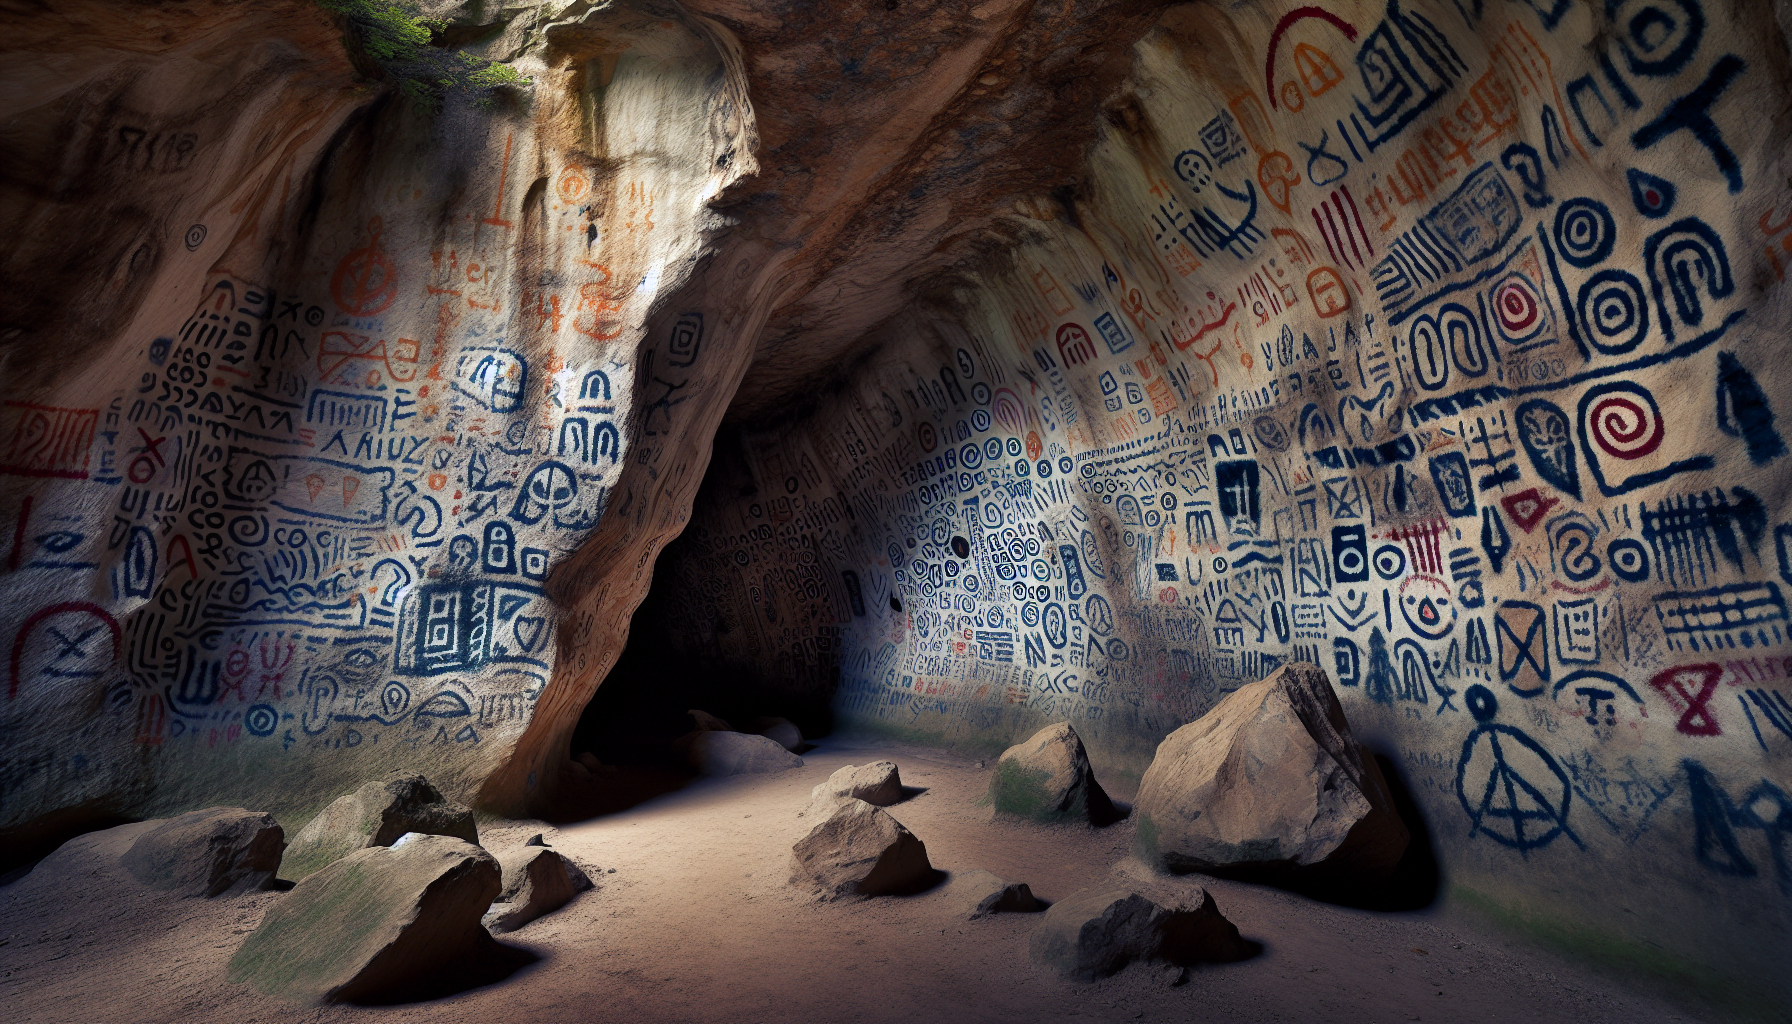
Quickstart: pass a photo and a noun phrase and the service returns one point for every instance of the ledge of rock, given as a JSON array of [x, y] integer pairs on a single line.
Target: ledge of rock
[[377, 814], [379, 924], [1270, 784]]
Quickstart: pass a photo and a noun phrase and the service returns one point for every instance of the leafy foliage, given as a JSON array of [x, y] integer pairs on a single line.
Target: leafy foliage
[[396, 36]]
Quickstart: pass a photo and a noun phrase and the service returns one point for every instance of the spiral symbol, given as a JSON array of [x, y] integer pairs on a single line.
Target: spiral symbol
[[261, 720], [1516, 308], [1584, 232], [1625, 428], [195, 237], [1614, 311]]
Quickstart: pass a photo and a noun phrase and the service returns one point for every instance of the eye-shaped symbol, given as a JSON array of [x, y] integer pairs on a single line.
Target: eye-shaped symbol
[[552, 487], [60, 541]]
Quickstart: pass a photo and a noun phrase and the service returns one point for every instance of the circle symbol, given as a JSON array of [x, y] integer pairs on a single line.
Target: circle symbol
[[1389, 561], [365, 282], [1629, 559], [573, 184], [261, 720], [195, 237], [980, 420], [1044, 468], [1425, 604], [924, 434], [1517, 310], [970, 456], [1612, 307], [1625, 428], [1584, 232], [1029, 614]]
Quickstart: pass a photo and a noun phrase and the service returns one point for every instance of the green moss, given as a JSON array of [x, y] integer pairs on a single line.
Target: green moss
[[285, 954], [1678, 978], [1145, 839], [1020, 791], [395, 36]]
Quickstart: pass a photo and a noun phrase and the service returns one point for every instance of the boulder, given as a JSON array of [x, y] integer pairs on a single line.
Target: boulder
[[878, 783], [1096, 932], [734, 753], [1270, 785], [376, 815], [859, 849], [375, 925], [536, 881], [1048, 778], [978, 893], [783, 730], [213, 852]]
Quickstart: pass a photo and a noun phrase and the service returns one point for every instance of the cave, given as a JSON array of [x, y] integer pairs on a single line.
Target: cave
[[729, 510]]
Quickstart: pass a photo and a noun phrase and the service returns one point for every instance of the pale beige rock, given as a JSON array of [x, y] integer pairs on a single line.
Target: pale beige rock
[[734, 753], [878, 783], [1270, 783], [1048, 778], [376, 815], [859, 850], [213, 852], [374, 924], [536, 881], [1096, 932]]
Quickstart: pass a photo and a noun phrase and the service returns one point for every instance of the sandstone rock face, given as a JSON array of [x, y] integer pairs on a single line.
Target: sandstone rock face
[[536, 881], [1096, 932], [374, 924], [858, 850], [1048, 778], [735, 753], [377, 814], [214, 852], [878, 783], [1270, 783]]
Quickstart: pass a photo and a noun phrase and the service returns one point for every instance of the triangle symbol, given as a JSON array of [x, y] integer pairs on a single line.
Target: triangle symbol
[[314, 484]]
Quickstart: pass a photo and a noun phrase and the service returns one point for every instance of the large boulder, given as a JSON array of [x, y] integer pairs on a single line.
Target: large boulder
[[716, 752], [536, 881], [1270, 785], [1096, 932], [878, 783], [376, 815], [1047, 778], [859, 849], [783, 730], [376, 925], [214, 852]]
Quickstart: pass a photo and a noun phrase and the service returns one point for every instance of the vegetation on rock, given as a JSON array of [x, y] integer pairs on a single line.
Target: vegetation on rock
[[397, 37]]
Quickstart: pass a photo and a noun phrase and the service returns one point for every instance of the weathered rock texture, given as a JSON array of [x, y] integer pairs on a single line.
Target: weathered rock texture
[[859, 850], [377, 814], [1270, 784], [536, 881], [214, 852], [717, 752], [978, 893], [1080, 361], [375, 925], [878, 783], [1096, 932], [1048, 778]]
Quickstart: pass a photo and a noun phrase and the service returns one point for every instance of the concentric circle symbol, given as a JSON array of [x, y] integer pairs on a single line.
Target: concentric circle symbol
[[1612, 307], [1516, 309], [1629, 559], [195, 237], [261, 720], [1389, 561], [1584, 232], [1625, 428]]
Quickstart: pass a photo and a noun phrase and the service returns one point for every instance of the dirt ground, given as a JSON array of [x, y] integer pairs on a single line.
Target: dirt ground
[[697, 923]]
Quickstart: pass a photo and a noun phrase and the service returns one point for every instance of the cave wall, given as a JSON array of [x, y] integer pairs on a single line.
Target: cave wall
[[1433, 343]]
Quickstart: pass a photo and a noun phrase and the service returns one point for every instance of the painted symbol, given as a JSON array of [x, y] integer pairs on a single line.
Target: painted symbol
[[1517, 310], [73, 630], [1427, 607], [1450, 473], [1654, 197], [195, 237], [1350, 553], [1513, 791], [1521, 630], [1585, 232], [261, 720], [552, 487], [365, 282], [1621, 432], [1688, 689], [1389, 561], [1527, 508], [1613, 311], [1629, 559]]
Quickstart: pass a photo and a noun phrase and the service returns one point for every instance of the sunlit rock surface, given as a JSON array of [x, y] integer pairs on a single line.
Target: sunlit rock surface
[[1063, 362]]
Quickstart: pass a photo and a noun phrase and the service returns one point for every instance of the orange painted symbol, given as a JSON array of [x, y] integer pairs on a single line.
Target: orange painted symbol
[[365, 282]]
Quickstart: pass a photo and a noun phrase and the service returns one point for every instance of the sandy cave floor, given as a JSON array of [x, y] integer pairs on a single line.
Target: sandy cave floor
[[698, 923]]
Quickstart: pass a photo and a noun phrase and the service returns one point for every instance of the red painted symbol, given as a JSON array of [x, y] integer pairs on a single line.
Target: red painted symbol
[[144, 466], [1528, 507], [1689, 688], [365, 282]]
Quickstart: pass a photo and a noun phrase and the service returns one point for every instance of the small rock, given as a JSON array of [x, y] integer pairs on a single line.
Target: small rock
[[878, 783], [375, 924], [1048, 778], [217, 851], [376, 815], [781, 730], [859, 849], [707, 722], [734, 753], [1270, 785], [978, 893], [590, 761], [535, 840], [536, 881], [1096, 932]]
